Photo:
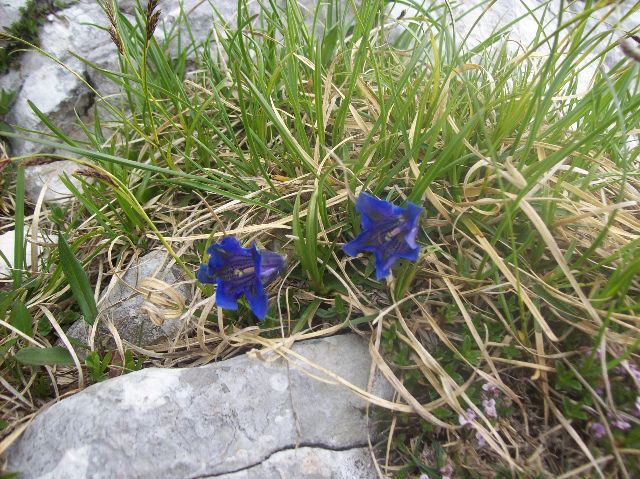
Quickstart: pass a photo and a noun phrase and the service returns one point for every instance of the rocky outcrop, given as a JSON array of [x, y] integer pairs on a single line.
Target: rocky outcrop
[[145, 302], [241, 418], [50, 174], [10, 12], [7, 245]]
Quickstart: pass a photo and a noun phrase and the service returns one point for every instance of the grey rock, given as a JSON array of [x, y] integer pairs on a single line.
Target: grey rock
[[57, 94], [37, 176], [127, 6], [310, 463], [124, 301], [240, 418], [78, 331], [11, 81], [10, 12], [7, 242], [54, 89]]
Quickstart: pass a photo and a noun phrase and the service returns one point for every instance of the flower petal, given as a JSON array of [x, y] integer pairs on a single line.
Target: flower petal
[[226, 298], [240, 271], [231, 245], [204, 276], [221, 253], [353, 247], [271, 265], [383, 265], [389, 231], [373, 210], [412, 214], [410, 254], [258, 301]]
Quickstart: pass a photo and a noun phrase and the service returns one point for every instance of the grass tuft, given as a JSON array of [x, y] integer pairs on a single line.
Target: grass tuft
[[512, 343]]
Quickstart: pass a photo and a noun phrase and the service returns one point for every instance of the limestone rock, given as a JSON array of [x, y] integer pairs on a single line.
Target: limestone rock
[[56, 91], [125, 300], [310, 463], [78, 331], [37, 176], [236, 419], [57, 94], [7, 242], [11, 81], [10, 12]]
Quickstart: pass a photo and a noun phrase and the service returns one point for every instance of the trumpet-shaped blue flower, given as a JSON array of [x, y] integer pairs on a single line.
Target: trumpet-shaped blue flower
[[389, 231], [240, 271]]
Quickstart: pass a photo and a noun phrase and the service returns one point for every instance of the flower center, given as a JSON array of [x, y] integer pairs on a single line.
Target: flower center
[[238, 272], [389, 235]]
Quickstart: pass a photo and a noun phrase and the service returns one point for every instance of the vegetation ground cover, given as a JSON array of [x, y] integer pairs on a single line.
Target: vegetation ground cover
[[512, 342]]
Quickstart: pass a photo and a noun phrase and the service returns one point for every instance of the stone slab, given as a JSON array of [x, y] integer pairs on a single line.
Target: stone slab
[[240, 418]]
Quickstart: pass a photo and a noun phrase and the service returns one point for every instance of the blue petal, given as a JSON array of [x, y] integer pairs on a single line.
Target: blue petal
[[230, 245], [377, 217], [373, 210], [240, 271], [413, 213], [383, 268], [204, 276], [257, 259], [410, 254], [271, 265], [353, 247], [258, 302], [221, 253], [226, 298]]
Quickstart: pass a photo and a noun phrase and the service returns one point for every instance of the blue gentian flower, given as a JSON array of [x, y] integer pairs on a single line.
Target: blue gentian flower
[[240, 271], [389, 231]]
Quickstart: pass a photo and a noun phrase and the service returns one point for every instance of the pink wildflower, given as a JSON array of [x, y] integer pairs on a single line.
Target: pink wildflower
[[490, 389], [446, 471], [467, 417], [480, 439], [424, 476], [621, 424], [489, 406], [635, 371], [598, 430]]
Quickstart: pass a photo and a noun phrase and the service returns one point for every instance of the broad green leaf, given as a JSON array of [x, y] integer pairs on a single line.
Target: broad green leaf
[[78, 281], [20, 318], [54, 356]]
